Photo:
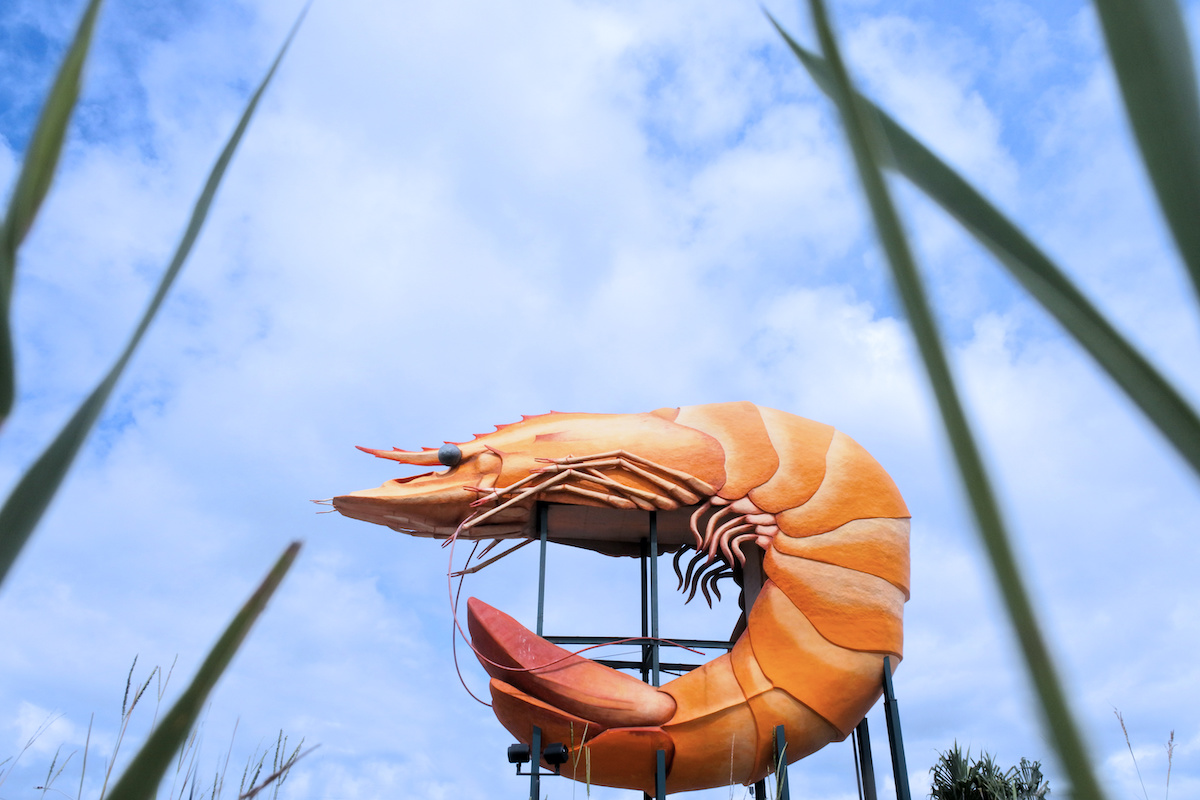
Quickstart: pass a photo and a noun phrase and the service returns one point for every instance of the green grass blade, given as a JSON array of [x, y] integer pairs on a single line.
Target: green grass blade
[[143, 775], [33, 493], [33, 182], [1147, 43], [1034, 270], [867, 141]]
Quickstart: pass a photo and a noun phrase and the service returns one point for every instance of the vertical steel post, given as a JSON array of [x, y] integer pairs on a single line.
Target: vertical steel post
[[543, 515], [781, 767], [535, 764], [660, 775], [895, 739], [645, 544], [654, 595], [857, 768], [760, 790], [863, 734], [645, 611]]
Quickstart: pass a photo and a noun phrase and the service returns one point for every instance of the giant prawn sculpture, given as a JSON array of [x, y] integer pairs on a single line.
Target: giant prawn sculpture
[[831, 524]]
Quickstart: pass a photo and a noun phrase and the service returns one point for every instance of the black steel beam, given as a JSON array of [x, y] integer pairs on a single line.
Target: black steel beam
[[892, 711], [863, 736], [535, 764], [782, 790], [654, 648], [698, 644], [665, 666], [543, 515]]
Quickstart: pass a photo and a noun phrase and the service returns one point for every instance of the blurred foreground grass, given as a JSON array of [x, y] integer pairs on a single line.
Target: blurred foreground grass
[[23, 508], [188, 777], [1151, 57]]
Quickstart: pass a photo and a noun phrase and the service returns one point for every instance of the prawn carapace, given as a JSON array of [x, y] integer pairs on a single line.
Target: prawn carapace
[[830, 524]]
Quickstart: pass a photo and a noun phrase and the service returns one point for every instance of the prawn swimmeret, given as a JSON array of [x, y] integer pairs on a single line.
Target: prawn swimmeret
[[742, 485]]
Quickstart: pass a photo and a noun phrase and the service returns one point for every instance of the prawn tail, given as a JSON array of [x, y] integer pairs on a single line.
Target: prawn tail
[[615, 718]]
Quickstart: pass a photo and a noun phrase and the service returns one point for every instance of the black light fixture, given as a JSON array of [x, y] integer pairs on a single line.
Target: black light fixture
[[556, 755], [518, 754]]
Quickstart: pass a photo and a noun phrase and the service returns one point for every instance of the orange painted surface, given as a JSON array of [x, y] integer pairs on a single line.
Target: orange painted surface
[[851, 609], [839, 684], [802, 446], [572, 683], [805, 730], [855, 487], [749, 458], [626, 758], [707, 752], [518, 712], [875, 546]]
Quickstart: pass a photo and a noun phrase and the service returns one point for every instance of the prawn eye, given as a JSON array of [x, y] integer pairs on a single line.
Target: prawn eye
[[449, 455]]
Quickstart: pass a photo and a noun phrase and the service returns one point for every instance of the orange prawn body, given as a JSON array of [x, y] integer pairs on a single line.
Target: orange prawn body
[[833, 530]]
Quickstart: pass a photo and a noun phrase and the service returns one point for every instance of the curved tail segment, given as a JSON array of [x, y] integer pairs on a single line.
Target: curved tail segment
[[511, 653], [573, 700], [715, 723]]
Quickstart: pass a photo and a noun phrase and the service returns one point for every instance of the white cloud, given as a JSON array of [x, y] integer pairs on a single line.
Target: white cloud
[[927, 78], [8, 165], [1030, 48], [40, 730]]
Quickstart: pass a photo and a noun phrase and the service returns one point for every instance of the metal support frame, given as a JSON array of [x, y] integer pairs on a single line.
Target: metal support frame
[[535, 765], [645, 663], [534, 754], [783, 789], [650, 645], [892, 711], [863, 764], [781, 764], [654, 644], [543, 523], [651, 666]]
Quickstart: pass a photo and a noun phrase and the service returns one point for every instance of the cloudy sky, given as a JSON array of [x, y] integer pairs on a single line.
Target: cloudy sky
[[446, 215]]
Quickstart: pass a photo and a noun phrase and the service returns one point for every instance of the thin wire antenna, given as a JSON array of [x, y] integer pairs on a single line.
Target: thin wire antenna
[[490, 561]]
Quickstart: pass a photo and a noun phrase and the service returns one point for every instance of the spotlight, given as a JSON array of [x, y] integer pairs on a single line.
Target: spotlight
[[556, 754], [518, 754]]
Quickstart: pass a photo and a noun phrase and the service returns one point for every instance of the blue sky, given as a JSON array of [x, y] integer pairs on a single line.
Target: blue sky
[[446, 216]]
